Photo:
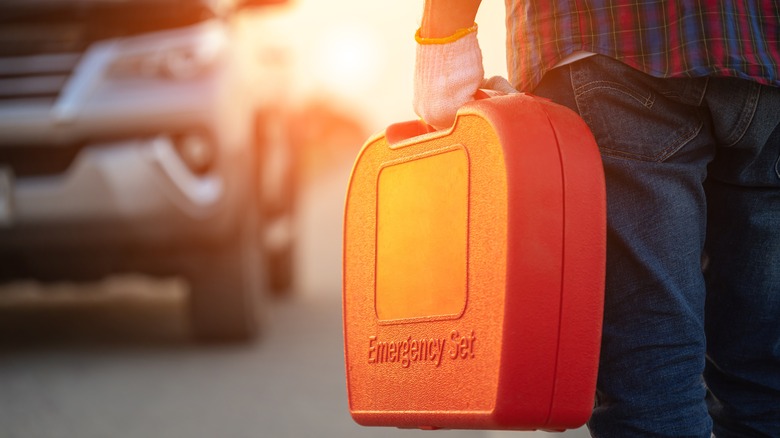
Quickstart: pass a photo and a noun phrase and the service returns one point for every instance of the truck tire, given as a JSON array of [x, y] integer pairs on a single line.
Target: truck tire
[[227, 287]]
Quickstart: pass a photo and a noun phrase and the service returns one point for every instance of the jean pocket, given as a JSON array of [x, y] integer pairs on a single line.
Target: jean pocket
[[632, 115]]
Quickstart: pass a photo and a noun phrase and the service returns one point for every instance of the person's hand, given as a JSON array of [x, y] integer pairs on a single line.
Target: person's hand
[[448, 71]]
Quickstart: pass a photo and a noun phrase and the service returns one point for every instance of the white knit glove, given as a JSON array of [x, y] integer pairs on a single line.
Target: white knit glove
[[448, 71]]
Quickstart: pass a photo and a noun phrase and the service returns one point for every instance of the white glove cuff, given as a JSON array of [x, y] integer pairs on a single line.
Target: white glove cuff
[[446, 77]]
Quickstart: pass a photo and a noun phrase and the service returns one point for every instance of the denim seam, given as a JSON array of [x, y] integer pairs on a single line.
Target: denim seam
[[703, 92], [744, 123], [647, 102], [777, 167], [677, 144], [571, 84]]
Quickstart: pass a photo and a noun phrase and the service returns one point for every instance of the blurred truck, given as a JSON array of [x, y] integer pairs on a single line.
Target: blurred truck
[[145, 136]]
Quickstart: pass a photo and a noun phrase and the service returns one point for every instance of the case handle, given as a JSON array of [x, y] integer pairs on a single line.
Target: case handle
[[398, 132]]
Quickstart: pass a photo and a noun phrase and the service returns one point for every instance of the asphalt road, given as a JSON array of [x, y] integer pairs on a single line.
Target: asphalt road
[[114, 358]]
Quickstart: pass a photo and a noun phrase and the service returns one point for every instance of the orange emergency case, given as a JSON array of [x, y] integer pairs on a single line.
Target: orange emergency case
[[474, 271]]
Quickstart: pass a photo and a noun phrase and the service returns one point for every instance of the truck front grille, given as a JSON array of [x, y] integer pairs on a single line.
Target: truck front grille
[[35, 76], [37, 58]]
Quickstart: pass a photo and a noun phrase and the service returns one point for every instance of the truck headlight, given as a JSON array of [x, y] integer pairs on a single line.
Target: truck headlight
[[183, 57]]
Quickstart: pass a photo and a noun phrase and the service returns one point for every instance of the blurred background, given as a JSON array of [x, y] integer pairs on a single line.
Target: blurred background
[[172, 178]]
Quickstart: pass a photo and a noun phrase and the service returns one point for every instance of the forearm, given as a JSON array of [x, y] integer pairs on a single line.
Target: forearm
[[442, 18]]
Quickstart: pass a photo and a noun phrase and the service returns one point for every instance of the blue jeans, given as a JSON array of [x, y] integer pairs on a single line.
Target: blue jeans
[[691, 340]]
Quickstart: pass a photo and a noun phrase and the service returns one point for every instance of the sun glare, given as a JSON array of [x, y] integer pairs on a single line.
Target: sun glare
[[361, 54], [347, 61]]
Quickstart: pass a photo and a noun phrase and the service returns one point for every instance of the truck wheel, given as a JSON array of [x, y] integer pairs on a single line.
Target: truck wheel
[[278, 188], [280, 263], [279, 250], [226, 288]]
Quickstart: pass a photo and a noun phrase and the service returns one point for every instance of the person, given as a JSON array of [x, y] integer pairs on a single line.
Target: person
[[682, 97]]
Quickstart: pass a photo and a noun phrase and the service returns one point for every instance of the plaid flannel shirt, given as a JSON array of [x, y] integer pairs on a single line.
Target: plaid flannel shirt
[[664, 38]]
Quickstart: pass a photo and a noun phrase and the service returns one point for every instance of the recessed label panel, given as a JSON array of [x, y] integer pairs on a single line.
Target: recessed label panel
[[422, 242]]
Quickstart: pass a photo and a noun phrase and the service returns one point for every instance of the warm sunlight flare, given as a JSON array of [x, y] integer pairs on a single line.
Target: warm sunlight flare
[[358, 54], [347, 60]]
